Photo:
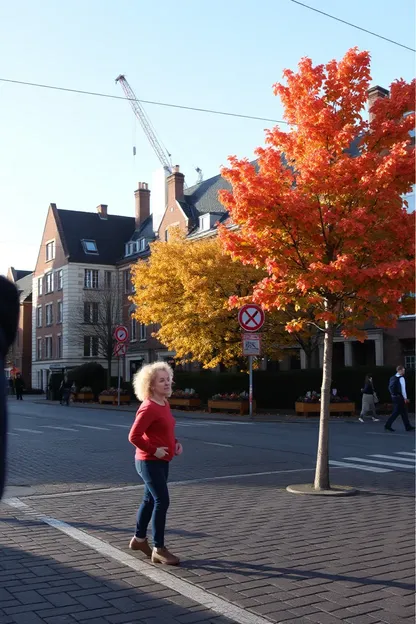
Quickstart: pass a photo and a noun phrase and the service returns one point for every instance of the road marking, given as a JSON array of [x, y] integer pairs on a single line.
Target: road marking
[[377, 461], [92, 427], [218, 444], [126, 488], [28, 430], [123, 426], [385, 433], [405, 459], [59, 428], [11, 433], [341, 464], [405, 453], [189, 590]]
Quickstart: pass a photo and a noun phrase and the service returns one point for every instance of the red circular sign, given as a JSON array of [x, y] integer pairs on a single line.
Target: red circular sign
[[251, 317], [121, 333]]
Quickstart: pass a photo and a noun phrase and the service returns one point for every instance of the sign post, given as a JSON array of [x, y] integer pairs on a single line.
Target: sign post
[[251, 319], [121, 335]]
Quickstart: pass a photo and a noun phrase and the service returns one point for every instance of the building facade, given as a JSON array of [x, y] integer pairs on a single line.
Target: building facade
[[20, 354]]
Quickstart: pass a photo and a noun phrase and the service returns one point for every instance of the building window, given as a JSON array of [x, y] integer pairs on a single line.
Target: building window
[[90, 246], [143, 332], [59, 346], [410, 361], [204, 224], [133, 329], [142, 244], [40, 285], [60, 312], [39, 348], [90, 346], [91, 278], [127, 281], [90, 312], [39, 316], [49, 282], [48, 347], [131, 248], [59, 279], [49, 314], [50, 251], [107, 279]]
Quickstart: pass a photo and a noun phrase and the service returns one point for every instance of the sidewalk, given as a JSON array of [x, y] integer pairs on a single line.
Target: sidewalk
[[252, 552]]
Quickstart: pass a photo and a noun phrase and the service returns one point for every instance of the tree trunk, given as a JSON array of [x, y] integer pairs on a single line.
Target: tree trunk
[[322, 460]]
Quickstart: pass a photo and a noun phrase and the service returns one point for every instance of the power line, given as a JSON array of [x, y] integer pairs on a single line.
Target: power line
[[353, 25], [120, 97]]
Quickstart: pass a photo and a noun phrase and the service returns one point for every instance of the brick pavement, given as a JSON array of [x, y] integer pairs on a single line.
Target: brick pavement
[[48, 578], [288, 558]]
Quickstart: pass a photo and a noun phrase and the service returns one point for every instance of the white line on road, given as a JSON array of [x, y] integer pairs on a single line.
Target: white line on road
[[405, 453], [123, 426], [189, 590], [378, 461], [126, 488], [59, 428], [91, 427], [11, 433], [405, 459], [217, 444], [28, 430], [341, 464]]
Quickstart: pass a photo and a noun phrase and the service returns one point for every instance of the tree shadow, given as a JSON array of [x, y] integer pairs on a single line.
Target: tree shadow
[[295, 574]]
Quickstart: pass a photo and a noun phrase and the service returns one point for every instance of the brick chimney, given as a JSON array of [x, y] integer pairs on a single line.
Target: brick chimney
[[374, 94], [175, 186], [142, 203], [102, 211]]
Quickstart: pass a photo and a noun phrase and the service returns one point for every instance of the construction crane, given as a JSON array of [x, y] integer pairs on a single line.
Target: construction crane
[[162, 154]]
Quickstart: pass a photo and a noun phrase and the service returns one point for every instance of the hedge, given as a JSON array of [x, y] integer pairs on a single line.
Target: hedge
[[281, 389]]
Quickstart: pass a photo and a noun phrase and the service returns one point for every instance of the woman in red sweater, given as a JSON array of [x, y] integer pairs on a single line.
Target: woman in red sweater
[[153, 435]]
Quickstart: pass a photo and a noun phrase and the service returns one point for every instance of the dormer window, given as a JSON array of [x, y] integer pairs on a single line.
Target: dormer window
[[204, 223], [131, 248], [90, 246], [142, 244]]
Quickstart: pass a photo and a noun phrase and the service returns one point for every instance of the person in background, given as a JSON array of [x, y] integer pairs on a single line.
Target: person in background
[[19, 385], [9, 318], [65, 389], [397, 389], [153, 435], [368, 401]]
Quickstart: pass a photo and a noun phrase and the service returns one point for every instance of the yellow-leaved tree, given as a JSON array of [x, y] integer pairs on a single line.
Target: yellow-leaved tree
[[185, 287]]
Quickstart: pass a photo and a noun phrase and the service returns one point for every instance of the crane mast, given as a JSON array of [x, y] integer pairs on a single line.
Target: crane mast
[[138, 110]]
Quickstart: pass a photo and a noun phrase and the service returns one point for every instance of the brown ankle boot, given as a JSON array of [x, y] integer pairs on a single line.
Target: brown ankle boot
[[142, 546], [162, 555]]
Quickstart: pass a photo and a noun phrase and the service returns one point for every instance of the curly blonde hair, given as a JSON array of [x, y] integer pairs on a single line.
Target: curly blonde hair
[[142, 382]]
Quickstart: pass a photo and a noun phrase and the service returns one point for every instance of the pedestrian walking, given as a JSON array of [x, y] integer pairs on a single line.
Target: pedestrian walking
[[65, 389], [397, 389], [19, 386], [368, 404], [153, 435]]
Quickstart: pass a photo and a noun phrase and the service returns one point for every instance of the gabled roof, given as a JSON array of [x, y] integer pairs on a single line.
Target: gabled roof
[[203, 197], [145, 230], [24, 286], [17, 274], [110, 235]]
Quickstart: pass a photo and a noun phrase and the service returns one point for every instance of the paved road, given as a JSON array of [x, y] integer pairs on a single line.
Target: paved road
[[253, 552]]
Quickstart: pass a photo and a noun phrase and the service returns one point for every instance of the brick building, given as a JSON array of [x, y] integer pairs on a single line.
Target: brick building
[[20, 354]]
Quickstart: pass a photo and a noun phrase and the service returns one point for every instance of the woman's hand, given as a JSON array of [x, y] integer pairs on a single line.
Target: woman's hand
[[178, 448], [161, 452]]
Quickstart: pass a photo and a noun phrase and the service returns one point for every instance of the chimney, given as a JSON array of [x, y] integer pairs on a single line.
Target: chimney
[[102, 211], [374, 94], [175, 186], [142, 203]]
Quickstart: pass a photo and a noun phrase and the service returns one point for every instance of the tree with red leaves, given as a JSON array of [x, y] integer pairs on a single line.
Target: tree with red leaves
[[323, 212]]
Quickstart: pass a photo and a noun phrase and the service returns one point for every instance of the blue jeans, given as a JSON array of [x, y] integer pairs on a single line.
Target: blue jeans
[[155, 503]]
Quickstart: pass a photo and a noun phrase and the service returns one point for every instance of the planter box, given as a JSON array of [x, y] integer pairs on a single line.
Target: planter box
[[113, 400], [83, 396], [334, 408], [184, 402], [230, 406]]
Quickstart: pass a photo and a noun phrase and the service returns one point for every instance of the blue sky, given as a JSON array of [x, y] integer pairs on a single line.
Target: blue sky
[[77, 151]]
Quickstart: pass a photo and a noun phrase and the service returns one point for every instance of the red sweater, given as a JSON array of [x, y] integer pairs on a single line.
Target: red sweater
[[154, 427]]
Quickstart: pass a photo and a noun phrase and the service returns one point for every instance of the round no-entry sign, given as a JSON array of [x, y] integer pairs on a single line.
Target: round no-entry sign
[[121, 333], [251, 317]]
